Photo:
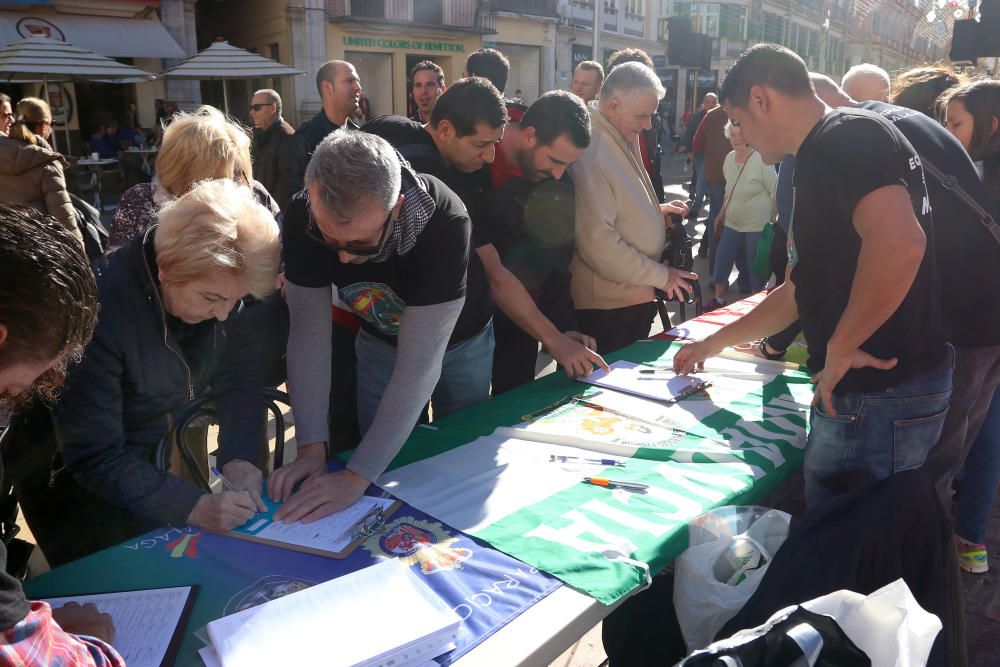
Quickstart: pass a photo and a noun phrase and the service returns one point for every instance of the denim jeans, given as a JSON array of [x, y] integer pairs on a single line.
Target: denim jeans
[[878, 433], [465, 374], [980, 478], [737, 248], [716, 198]]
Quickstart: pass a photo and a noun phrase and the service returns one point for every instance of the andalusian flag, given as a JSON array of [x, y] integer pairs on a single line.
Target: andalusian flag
[[510, 487]]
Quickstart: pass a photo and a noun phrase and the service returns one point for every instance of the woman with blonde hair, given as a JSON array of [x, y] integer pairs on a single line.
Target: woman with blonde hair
[[31, 172], [172, 329], [196, 146]]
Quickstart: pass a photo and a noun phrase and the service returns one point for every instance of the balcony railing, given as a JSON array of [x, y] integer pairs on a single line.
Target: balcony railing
[[611, 19], [462, 14], [529, 7], [582, 14], [369, 9], [635, 24]]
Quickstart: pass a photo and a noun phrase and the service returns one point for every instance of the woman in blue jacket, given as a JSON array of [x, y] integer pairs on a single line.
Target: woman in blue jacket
[[171, 329]]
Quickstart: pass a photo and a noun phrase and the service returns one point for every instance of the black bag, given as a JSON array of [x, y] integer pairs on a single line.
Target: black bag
[[88, 219]]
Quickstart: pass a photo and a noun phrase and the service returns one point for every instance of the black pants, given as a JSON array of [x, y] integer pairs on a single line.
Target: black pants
[[779, 263], [514, 357], [619, 327]]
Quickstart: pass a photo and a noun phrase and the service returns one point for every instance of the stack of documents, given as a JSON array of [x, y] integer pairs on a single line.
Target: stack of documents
[[376, 617]]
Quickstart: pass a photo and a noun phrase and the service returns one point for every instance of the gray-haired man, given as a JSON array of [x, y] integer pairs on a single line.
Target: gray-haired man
[[396, 245], [270, 132], [620, 222]]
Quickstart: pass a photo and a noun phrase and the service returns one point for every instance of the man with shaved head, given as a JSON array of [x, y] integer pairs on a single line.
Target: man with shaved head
[[866, 82], [339, 89]]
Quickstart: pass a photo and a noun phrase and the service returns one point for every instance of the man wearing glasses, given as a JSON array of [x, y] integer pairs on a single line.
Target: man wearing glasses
[[270, 132], [396, 244]]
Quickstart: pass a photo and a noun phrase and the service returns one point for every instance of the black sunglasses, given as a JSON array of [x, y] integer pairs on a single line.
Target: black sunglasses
[[313, 232], [258, 107]]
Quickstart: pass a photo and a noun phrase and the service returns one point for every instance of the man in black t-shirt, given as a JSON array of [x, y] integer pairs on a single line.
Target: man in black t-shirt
[[461, 139], [966, 254], [396, 245], [861, 279]]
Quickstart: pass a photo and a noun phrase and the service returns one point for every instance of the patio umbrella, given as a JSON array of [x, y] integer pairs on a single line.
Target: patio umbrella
[[44, 59], [223, 61]]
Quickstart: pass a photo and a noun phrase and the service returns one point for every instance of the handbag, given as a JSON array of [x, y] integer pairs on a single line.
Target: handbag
[[761, 264]]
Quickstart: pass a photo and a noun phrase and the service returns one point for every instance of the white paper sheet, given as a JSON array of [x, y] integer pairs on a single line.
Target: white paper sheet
[[379, 616], [662, 385], [145, 621], [331, 533]]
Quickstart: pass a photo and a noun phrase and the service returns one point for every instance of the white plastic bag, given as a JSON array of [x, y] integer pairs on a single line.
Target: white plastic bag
[[728, 553]]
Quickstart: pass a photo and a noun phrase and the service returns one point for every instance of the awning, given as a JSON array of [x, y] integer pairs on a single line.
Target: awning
[[111, 37]]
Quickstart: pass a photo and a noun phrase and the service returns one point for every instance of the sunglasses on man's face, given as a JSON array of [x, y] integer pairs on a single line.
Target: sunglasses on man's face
[[258, 107], [313, 232]]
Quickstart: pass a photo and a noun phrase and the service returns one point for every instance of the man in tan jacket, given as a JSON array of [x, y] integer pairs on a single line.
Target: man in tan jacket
[[620, 224]]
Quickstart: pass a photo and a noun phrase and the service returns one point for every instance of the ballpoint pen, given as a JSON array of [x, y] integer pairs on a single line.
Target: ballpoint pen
[[615, 484], [553, 458], [225, 482]]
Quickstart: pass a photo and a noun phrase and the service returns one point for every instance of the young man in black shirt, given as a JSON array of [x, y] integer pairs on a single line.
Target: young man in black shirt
[[861, 279], [466, 125], [966, 254], [396, 245]]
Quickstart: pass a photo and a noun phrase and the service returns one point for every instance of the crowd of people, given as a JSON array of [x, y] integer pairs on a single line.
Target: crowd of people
[[457, 243]]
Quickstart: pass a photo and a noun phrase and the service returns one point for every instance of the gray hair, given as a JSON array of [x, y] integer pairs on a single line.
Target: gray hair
[[630, 78], [354, 169], [272, 95]]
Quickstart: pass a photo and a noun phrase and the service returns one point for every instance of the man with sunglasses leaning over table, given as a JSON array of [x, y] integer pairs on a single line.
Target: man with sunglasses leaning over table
[[396, 245]]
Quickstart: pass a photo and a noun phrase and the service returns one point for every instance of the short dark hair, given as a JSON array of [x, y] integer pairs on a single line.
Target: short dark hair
[[629, 56], [48, 297], [429, 66], [489, 64], [558, 113], [468, 102], [768, 65]]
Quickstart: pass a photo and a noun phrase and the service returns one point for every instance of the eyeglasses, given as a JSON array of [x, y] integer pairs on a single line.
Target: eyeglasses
[[313, 232], [9, 116], [258, 107]]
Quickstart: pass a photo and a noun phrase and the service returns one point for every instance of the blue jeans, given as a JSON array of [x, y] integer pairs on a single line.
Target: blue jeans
[[980, 478], [880, 433], [737, 248], [701, 187], [465, 374], [716, 198]]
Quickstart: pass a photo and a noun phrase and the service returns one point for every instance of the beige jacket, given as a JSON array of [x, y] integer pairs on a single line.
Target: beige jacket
[[620, 231], [33, 175]]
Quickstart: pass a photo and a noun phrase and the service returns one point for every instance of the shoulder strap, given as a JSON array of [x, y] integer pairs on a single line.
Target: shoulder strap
[[950, 183]]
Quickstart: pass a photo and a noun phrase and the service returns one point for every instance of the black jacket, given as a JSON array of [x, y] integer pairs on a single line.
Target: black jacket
[[267, 147], [135, 379], [294, 156]]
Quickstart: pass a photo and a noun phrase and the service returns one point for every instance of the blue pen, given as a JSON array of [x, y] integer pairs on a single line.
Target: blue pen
[[576, 459], [225, 482]]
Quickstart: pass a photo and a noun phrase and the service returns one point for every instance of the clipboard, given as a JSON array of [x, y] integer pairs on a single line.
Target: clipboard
[[629, 378], [173, 647], [371, 522]]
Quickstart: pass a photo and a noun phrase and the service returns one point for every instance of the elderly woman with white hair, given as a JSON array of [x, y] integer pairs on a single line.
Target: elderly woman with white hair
[[171, 329], [620, 223]]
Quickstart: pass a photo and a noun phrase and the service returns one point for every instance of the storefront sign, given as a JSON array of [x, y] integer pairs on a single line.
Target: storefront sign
[[581, 53], [407, 44]]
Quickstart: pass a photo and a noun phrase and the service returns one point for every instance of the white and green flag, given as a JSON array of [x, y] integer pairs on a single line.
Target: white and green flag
[[729, 445]]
